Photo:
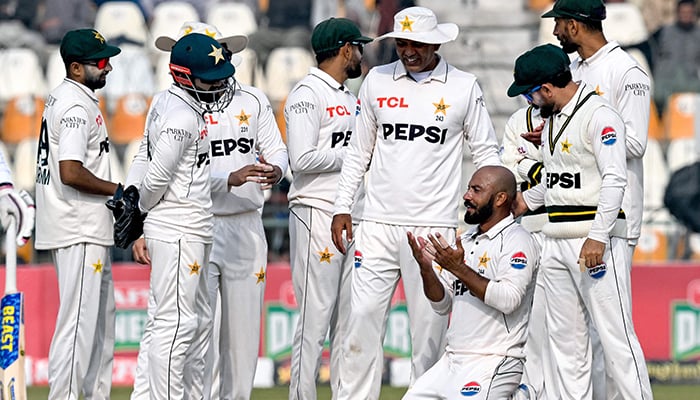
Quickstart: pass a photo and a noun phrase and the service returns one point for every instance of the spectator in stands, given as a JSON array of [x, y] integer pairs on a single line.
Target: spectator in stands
[[385, 53], [285, 23], [657, 13], [61, 16], [677, 58], [17, 21]]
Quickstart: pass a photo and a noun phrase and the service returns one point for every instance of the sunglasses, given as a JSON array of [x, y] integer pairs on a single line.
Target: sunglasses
[[528, 95], [100, 64], [359, 45]]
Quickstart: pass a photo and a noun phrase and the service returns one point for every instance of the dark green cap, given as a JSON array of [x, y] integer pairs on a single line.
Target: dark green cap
[[201, 57], [333, 33], [582, 10], [536, 67], [85, 45]]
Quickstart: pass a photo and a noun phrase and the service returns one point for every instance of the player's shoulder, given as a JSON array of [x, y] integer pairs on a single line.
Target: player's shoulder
[[250, 95]]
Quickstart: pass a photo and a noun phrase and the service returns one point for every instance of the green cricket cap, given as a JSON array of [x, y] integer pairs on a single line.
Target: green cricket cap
[[582, 10], [333, 33], [537, 66], [85, 45]]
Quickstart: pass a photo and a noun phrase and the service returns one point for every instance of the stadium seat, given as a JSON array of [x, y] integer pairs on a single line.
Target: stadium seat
[[25, 164], [20, 73], [232, 18], [624, 23], [168, 17], [121, 18], [249, 71], [656, 128], [488, 46], [132, 148], [132, 73], [162, 75], [22, 118], [279, 119], [539, 5], [494, 82], [653, 244], [285, 67], [681, 152], [55, 70], [679, 116], [129, 118]]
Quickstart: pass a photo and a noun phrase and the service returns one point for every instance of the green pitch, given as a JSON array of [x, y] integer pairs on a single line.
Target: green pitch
[[661, 392]]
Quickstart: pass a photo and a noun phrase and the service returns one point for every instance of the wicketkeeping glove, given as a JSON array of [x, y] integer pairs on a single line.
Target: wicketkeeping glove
[[20, 207], [128, 219]]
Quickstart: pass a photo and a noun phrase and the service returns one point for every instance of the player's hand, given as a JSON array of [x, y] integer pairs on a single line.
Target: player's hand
[[519, 207], [341, 222], [534, 137], [20, 207], [249, 173], [592, 253], [271, 177], [140, 251], [447, 257], [423, 251]]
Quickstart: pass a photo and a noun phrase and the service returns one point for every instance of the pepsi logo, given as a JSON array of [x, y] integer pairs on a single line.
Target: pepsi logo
[[518, 260], [358, 259], [608, 136], [598, 271], [358, 107], [471, 389]]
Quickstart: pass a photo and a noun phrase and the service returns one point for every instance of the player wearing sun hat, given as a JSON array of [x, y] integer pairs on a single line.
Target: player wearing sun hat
[[232, 44], [413, 118], [171, 173]]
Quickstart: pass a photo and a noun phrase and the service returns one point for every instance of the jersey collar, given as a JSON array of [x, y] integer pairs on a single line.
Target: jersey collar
[[329, 80], [598, 55], [568, 109], [494, 231], [189, 100], [84, 89], [439, 73]]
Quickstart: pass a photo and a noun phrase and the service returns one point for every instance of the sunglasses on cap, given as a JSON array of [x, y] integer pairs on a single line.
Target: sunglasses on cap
[[100, 64], [528, 95]]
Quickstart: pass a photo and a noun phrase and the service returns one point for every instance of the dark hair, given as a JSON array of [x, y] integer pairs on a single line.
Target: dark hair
[[561, 79], [592, 25], [328, 54]]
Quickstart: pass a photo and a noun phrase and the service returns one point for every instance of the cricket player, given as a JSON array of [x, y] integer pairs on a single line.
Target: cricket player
[[320, 118], [248, 154], [585, 247], [171, 172], [73, 181], [414, 117], [524, 160], [486, 282], [619, 79]]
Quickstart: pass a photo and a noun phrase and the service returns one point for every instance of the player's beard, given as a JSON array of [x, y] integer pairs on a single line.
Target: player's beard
[[546, 111], [354, 71], [480, 214], [95, 82]]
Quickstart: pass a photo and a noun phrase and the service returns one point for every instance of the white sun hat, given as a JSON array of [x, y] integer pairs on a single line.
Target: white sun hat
[[419, 24], [235, 43]]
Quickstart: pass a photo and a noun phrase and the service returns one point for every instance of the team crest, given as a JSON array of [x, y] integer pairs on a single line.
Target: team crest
[[358, 259], [518, 260], [471, 389], [608, 136], [598, 271]]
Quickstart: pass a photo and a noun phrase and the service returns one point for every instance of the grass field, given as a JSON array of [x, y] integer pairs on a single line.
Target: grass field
[[661, 392]]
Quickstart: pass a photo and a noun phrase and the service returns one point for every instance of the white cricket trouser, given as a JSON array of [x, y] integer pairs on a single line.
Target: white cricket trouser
[[179, 327], [595, 296], [321, 276], [536, 346], [479, 377], [82, 348], [236, 274], [386, 257]]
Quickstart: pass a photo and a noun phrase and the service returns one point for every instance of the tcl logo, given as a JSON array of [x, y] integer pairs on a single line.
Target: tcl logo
[[565, 180], [392, 102], [337, 111]]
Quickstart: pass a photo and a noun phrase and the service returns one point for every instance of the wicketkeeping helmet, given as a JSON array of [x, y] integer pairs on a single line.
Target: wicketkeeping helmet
[[200, 56]]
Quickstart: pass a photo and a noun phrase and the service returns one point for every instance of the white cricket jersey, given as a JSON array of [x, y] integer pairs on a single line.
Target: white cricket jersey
[[619, 79], [171, 169], [236, 135], [507, 255], [320, 117], [72, 128], [585, 173], [5, 172], [409, 145], [524, 159]]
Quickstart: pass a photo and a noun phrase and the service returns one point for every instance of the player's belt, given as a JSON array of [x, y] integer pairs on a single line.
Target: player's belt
[[574, 213]]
